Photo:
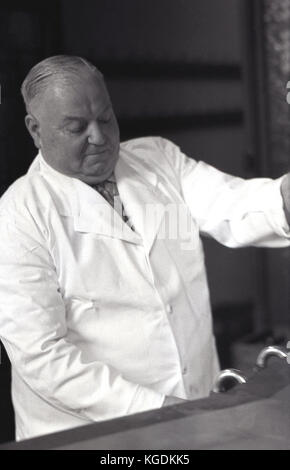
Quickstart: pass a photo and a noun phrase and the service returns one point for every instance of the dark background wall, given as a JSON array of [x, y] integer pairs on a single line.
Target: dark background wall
[[181, 69]]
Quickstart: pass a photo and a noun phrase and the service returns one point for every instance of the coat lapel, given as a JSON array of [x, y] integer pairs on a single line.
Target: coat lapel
[[140, 194], [95, 214], [142, 198]]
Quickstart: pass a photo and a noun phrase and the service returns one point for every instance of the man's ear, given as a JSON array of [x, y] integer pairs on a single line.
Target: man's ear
[[34, 129]]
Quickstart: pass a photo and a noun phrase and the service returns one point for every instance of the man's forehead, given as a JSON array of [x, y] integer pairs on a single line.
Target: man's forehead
[[77, 89], [78, 97]]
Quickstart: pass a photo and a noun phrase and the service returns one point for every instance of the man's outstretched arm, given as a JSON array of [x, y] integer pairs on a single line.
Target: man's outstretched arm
[[236, 212]]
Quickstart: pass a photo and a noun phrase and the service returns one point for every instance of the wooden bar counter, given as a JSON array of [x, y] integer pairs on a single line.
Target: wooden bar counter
[[255, 415]]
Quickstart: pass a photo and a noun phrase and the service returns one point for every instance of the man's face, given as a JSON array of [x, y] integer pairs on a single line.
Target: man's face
[[76, 130]]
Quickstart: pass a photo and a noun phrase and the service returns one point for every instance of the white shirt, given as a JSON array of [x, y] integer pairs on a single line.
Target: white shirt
[[100, 321]]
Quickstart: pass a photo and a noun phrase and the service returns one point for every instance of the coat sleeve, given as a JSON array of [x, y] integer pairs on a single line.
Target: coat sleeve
[[34, 331], [234, 211]]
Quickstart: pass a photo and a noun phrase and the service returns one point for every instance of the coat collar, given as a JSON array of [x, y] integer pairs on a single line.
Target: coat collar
[[140, 193]]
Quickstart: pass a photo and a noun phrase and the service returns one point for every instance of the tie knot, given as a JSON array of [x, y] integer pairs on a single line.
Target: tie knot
[[109, 191], [108, 186]]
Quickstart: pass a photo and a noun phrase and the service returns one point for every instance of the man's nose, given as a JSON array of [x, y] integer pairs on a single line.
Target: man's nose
[[96, 135]]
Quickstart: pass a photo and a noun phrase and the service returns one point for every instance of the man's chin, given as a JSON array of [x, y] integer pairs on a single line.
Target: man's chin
[[96, 175]]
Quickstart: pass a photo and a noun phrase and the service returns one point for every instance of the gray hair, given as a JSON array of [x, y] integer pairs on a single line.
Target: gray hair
[[59, 67]]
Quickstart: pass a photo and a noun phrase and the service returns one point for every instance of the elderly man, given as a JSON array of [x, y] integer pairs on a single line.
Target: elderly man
[[104, 300]]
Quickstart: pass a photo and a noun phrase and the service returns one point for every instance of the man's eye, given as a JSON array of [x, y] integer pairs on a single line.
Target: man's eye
[[76, 129], [105, 118]]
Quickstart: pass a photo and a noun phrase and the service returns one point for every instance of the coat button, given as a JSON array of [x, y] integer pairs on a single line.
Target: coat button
[[169, 308], [184, 370]]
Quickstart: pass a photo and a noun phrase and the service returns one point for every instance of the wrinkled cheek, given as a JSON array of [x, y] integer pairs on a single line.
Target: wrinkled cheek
[[72, 157]]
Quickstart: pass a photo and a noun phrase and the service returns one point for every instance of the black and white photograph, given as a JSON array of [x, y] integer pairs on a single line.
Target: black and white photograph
[[144, 227]]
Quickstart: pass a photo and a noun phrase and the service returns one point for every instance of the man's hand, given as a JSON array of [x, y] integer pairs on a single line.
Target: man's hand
[[173, 401], [285, 190]]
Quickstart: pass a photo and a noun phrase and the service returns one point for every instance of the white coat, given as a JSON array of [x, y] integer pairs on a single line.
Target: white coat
[[100, 321]]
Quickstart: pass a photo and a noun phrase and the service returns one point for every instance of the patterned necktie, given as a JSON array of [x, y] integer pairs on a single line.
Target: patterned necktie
[[109, 190]]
